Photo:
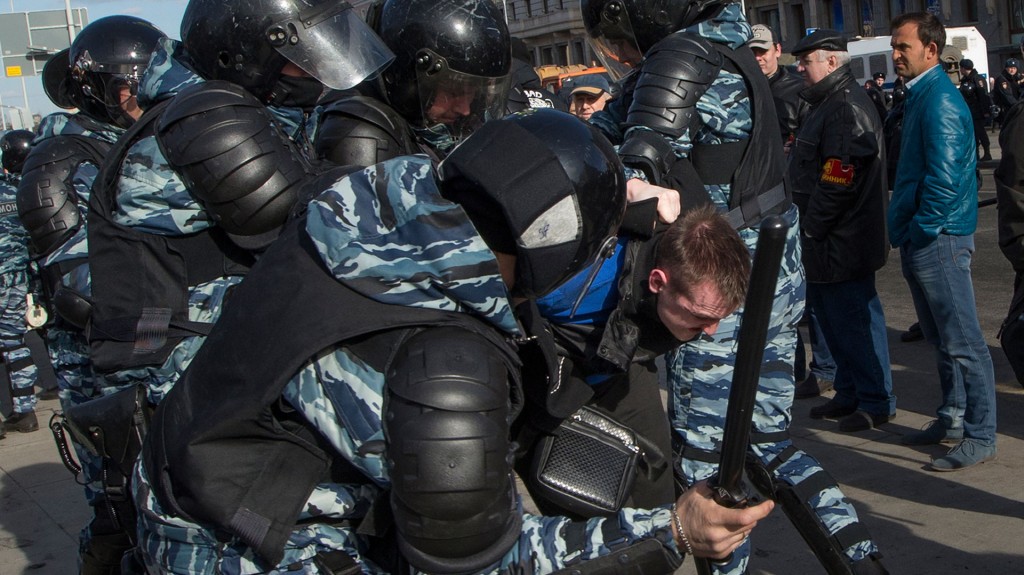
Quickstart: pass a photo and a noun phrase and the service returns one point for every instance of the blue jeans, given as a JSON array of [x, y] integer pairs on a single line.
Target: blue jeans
[[939, 277], [822, 364], [853, 323]]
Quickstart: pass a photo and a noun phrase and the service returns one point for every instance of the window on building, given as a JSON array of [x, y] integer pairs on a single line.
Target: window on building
[[547, 56], [796, 13], [865, 17], [970, 10], [903, 6], [578, 53], [562, 54], [1016, 14], [770, 18], [827, 14]]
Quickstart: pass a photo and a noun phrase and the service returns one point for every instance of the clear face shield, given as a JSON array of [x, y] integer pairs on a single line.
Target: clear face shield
[[331, 43], [459, 101], [108, 85], [615, 42]]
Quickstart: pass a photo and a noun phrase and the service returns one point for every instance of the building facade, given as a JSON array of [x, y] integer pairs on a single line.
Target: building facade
[[553, 29], [1000, 22]]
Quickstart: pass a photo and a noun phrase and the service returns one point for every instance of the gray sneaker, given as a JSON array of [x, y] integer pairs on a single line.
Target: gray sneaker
[[934, 434], [967, 453]]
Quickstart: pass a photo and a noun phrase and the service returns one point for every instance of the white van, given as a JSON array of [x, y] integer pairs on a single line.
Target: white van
[[874, 54]]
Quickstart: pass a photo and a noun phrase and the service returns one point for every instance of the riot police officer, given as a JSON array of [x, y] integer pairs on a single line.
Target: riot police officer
[[99, 75], [677, 56], [394, 393], [18, 376], [196, 187], [450, 74]]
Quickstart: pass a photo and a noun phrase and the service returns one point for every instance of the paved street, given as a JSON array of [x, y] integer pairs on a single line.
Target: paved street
[[926, 523]]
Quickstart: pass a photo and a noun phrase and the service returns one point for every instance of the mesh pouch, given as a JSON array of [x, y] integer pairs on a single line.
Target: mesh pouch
[[588, 465]]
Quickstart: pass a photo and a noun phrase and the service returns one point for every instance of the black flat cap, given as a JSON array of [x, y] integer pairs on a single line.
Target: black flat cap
[[822, 39]]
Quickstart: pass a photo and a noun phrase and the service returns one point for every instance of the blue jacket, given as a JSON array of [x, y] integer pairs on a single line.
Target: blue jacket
[[936, 189]]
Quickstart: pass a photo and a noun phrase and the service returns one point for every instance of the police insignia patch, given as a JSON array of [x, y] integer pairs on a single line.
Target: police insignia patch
[[836, 172]]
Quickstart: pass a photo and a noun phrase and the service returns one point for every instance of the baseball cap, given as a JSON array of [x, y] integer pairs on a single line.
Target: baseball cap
[[763, 37], [966, 63], [590, 84]]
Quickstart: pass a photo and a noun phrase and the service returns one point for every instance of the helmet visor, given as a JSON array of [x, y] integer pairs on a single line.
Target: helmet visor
[[615, 42], [332, 44], [460, 101]]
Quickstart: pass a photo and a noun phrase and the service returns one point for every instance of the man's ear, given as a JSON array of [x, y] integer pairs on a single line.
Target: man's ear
[[657, 281]]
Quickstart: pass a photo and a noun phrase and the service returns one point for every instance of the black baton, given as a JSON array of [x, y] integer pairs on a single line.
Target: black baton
[[730, 485]]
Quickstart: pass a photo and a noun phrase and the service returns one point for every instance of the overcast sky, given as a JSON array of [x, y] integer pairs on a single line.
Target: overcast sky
[[164, 14]]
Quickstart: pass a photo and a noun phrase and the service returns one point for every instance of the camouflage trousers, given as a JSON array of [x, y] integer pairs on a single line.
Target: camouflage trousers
[[700, 376], [21, 371]]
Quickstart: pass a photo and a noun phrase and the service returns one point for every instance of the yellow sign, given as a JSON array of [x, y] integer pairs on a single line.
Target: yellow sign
[[13, 71]]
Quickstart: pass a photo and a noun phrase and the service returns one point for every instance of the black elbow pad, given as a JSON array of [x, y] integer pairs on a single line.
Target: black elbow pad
[[47, 201], [238, 164]]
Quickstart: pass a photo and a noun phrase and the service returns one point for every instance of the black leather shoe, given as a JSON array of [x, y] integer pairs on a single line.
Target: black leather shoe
[[913, 333], [22, 422], [831, 410], [812, 387], [862, 421]]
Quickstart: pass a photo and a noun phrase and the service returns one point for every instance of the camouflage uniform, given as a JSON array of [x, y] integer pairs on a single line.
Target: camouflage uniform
[[365, 233], [14, 288], [151, 198], [700, 372], [66, 344]]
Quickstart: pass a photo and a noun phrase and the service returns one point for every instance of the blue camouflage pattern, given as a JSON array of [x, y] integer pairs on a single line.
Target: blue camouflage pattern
[[151, 198], [700, 372], [67, 347], [386, 232], [15, 285]]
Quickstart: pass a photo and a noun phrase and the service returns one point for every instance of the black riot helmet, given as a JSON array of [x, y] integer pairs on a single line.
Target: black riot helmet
[[108, 56], [248, 42], [540, 185], [622, 31], [58, 84], [14, 146], [452, 62]]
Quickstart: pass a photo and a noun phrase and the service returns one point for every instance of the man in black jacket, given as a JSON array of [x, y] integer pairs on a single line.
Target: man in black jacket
[[837, 170], [791, 109], [785, 84], [1006, 91]]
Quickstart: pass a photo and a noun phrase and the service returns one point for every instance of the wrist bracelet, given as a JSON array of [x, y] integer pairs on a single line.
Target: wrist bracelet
[[679, 530]]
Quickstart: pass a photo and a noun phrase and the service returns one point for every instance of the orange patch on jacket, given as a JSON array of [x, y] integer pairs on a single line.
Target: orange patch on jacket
[[836, 172]]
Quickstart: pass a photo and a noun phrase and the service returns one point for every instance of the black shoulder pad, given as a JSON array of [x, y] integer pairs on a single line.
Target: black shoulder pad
[[674, 74], [230, 152], [47, 201], [362, 131]]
